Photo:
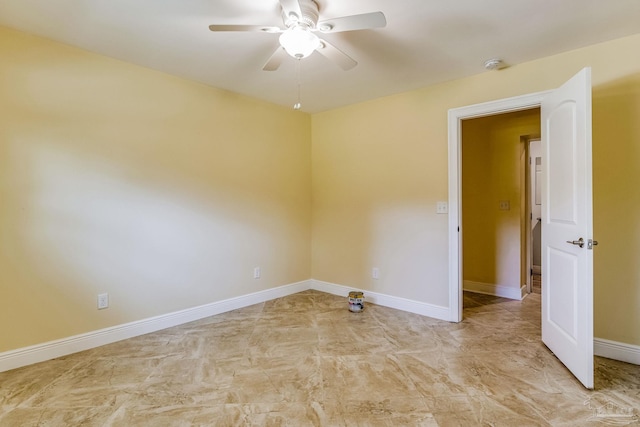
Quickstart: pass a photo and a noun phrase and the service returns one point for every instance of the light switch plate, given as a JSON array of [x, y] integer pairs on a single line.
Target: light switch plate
[[505, 205], [442, 207]]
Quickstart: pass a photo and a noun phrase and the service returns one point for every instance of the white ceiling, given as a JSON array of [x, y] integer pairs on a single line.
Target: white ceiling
[[424, 42]]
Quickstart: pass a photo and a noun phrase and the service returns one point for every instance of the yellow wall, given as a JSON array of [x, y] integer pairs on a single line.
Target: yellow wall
[[492, 172], [379, 167], [166, 193], [162, 192], [378, 170], [616, 188]]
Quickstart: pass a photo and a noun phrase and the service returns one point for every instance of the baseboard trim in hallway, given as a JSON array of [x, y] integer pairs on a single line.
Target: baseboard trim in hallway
[[511, 292]]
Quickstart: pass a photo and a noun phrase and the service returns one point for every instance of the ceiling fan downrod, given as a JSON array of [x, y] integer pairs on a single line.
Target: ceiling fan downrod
[[298, 104]]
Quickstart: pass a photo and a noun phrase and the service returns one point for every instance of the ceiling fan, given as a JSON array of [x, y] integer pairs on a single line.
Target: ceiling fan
[[297, 38]]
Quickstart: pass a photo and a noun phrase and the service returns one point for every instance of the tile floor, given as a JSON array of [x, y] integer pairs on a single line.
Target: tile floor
[[305, 360]]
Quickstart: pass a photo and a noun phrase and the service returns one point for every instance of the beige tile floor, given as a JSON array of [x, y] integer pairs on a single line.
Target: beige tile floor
[[305, 360]]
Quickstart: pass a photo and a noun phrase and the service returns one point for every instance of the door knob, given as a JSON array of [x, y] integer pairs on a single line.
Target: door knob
[[579, 242]]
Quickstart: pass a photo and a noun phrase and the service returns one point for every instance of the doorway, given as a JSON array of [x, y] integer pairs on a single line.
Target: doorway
[[567, 309], [455, 119], [495, 198]]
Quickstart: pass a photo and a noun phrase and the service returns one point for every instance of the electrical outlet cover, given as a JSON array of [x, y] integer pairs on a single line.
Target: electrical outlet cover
[[103, 301]]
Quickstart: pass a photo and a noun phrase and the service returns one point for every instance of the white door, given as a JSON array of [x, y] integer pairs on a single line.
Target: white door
[[567, 215]]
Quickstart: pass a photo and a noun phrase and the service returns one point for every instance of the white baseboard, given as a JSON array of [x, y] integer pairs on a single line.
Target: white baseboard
[[496, 290], [62, 347], [616, 350], [39, 353], [412, 306], [523, 292]]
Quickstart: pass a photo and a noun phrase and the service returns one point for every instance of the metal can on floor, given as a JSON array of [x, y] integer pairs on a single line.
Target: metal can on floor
[[356, 301]]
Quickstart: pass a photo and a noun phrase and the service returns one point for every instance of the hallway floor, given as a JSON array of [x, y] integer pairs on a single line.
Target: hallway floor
[[305, 360]]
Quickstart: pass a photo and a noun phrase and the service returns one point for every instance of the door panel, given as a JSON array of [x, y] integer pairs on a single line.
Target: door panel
[[561, 157], [564, 276], [567, 285]]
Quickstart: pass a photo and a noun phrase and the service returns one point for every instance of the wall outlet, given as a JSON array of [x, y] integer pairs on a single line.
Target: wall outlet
[[256, 273], [375, 273], [442, 207], [103, 301]]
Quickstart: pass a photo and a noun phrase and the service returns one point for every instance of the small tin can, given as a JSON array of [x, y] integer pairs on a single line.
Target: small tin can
[[356, 301]]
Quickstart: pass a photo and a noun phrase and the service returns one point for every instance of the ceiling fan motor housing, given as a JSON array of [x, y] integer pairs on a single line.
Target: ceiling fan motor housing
[[298, 38], [309, 18]]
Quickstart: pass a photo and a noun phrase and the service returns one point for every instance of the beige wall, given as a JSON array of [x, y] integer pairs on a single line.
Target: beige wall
[[166, 193], [616, 188], [379, 167], [162, 192], [492, 171], [378, 170]]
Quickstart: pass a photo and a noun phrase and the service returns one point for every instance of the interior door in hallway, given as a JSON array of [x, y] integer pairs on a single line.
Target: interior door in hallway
[[567, 230]]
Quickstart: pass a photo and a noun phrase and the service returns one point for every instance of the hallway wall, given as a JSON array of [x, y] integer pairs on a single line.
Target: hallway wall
[[492, 172]]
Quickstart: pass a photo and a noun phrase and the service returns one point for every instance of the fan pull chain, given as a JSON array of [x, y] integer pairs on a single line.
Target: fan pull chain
[[297, 105]]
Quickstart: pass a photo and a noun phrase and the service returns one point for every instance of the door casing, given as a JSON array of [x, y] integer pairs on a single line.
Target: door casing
[[531, 216], [455, 118]]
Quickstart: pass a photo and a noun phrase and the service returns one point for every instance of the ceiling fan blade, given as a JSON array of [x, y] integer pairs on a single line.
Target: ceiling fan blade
[[353, 23], [259, 28], [343, 60], [276, 59], [291, 7]]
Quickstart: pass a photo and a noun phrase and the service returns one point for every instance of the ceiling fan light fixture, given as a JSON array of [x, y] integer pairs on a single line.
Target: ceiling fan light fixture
[[299, 42]]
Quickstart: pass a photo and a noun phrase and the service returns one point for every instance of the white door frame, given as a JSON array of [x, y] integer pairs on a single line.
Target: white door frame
[[530, 189], [456, 115]]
